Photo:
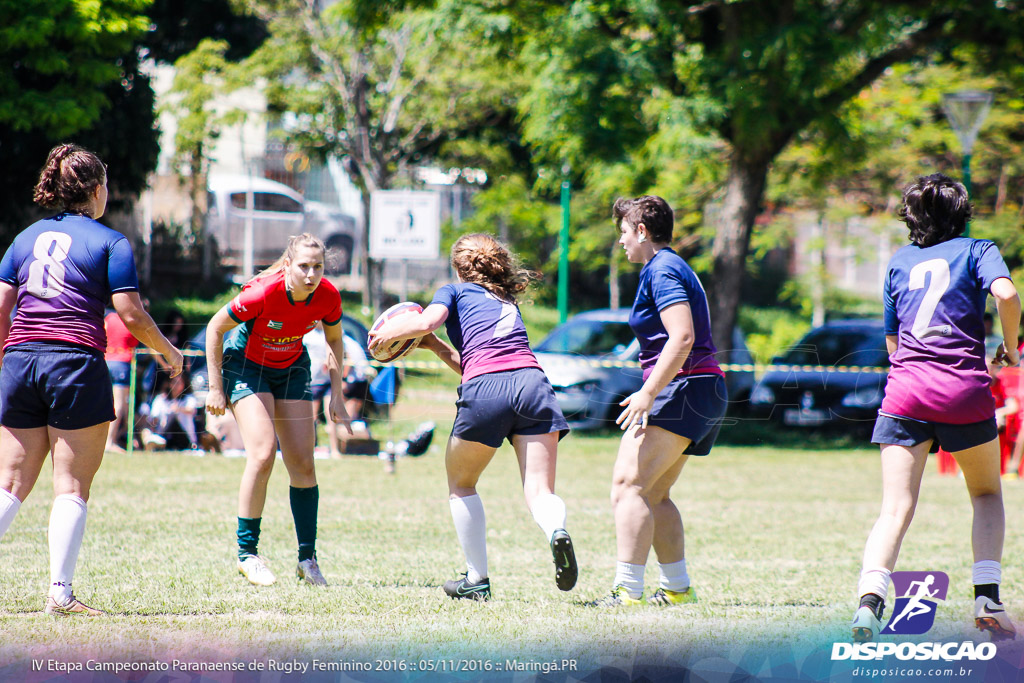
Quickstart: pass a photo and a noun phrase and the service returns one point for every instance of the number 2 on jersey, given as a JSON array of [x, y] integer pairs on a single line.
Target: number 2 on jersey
[[939, 269], [46, 274], [507, 319]]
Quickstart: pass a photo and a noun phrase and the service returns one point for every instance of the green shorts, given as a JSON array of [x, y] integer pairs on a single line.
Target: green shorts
[[243, 377]]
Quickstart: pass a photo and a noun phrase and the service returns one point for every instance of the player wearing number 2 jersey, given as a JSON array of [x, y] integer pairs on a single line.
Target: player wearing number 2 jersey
[[503, 395], [938, 391], [55, 390]]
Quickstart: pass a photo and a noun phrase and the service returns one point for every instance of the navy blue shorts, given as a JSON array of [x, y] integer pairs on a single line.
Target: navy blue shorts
[[499, 405], [904, 431], [120, 372], [692, 407], [58, 385]]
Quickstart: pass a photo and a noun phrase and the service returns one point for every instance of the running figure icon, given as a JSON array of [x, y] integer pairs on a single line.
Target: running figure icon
[[915, 605]]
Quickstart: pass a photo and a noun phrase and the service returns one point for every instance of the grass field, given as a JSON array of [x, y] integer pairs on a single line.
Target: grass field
[[774, 543]]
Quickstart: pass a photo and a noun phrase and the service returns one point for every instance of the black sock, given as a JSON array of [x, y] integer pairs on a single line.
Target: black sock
[[874, 602], [989, 590], [304, 511]]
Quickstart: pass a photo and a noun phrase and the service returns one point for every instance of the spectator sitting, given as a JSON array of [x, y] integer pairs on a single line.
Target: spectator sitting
[[171, 417]]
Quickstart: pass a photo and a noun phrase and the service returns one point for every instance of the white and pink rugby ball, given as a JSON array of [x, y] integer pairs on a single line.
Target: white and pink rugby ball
[[401, 348]]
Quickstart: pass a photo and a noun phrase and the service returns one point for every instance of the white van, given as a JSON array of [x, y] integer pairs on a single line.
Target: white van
[[278, 212]]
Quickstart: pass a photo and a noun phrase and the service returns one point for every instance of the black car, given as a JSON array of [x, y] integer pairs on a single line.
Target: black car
[[835, 375]]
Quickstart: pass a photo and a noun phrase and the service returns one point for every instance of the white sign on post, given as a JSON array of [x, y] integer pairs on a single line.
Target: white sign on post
[[405, 224]]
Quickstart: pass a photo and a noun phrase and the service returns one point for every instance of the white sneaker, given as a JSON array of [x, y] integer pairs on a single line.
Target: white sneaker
[[255, 569], [865, 625], [309, 571], [991, 616]]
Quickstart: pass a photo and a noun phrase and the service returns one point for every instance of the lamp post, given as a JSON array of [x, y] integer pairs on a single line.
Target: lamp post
[[563, 250], [966, 110]]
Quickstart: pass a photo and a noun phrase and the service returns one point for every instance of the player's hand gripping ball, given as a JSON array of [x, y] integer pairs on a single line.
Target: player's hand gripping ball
[[398, 349]]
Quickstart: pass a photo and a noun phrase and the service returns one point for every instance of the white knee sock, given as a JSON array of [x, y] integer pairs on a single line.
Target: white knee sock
[[549, 513], [67, 527], [674, 576], [471, 528], [9, 506], [630, 577], [874, 581], [986, 571]]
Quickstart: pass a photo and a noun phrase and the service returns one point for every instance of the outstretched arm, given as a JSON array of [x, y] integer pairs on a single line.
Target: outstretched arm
[[409, 326]]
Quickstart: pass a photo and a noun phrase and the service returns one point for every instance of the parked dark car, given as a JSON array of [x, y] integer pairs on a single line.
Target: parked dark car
[[846, 390], [583, 359]]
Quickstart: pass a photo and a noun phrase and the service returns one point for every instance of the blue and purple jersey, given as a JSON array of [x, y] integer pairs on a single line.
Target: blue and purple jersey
[[934, 301], [488, 332], [65, 268], [665, 280]]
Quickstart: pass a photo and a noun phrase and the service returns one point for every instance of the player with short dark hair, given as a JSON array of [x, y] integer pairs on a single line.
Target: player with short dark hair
[[263, 373], [675, 414], [938, 391], [55, 389], [504, 395]]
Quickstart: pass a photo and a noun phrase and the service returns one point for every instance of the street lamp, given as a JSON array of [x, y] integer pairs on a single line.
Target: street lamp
[[966, 110]]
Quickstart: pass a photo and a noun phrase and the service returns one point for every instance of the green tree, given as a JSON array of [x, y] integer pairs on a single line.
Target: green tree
[[384, 91], [768, 69], [199, 76], [62, 64], [70, 70]]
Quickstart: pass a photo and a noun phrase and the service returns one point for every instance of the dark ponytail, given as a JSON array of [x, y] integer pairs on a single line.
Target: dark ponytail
[[69, 179]]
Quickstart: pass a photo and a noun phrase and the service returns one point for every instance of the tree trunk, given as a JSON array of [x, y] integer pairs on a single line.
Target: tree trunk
[[744, 190]]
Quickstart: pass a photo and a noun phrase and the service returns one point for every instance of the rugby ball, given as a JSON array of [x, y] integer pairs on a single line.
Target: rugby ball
[[398, 349]]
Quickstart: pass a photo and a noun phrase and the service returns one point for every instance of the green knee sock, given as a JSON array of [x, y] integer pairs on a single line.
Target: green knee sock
[[248, 536]]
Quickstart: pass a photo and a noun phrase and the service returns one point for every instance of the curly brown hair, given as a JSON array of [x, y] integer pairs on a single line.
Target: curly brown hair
[[69, 178], [481, 259]]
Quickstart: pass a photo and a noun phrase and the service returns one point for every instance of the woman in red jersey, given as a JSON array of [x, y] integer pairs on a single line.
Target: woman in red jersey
[[263, 373]]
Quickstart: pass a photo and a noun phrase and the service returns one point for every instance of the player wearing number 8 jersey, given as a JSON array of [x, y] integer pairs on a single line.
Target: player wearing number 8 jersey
[[55, 390], [938, 390], [503, 395]]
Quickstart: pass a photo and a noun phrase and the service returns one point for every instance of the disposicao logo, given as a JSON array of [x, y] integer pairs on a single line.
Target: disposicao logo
[[917, 594]]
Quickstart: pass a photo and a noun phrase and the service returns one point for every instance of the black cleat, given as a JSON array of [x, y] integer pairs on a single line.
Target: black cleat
[[463, 589], [566, 571]]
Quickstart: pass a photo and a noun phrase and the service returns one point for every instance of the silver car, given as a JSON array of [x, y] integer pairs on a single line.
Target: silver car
[[591, 361]]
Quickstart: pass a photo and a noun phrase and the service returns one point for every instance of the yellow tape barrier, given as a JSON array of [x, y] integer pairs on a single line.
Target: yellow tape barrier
[[727, 367]]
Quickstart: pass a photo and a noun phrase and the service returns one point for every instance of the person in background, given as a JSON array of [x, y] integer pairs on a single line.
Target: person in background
[[121, 345], [171, 415]]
